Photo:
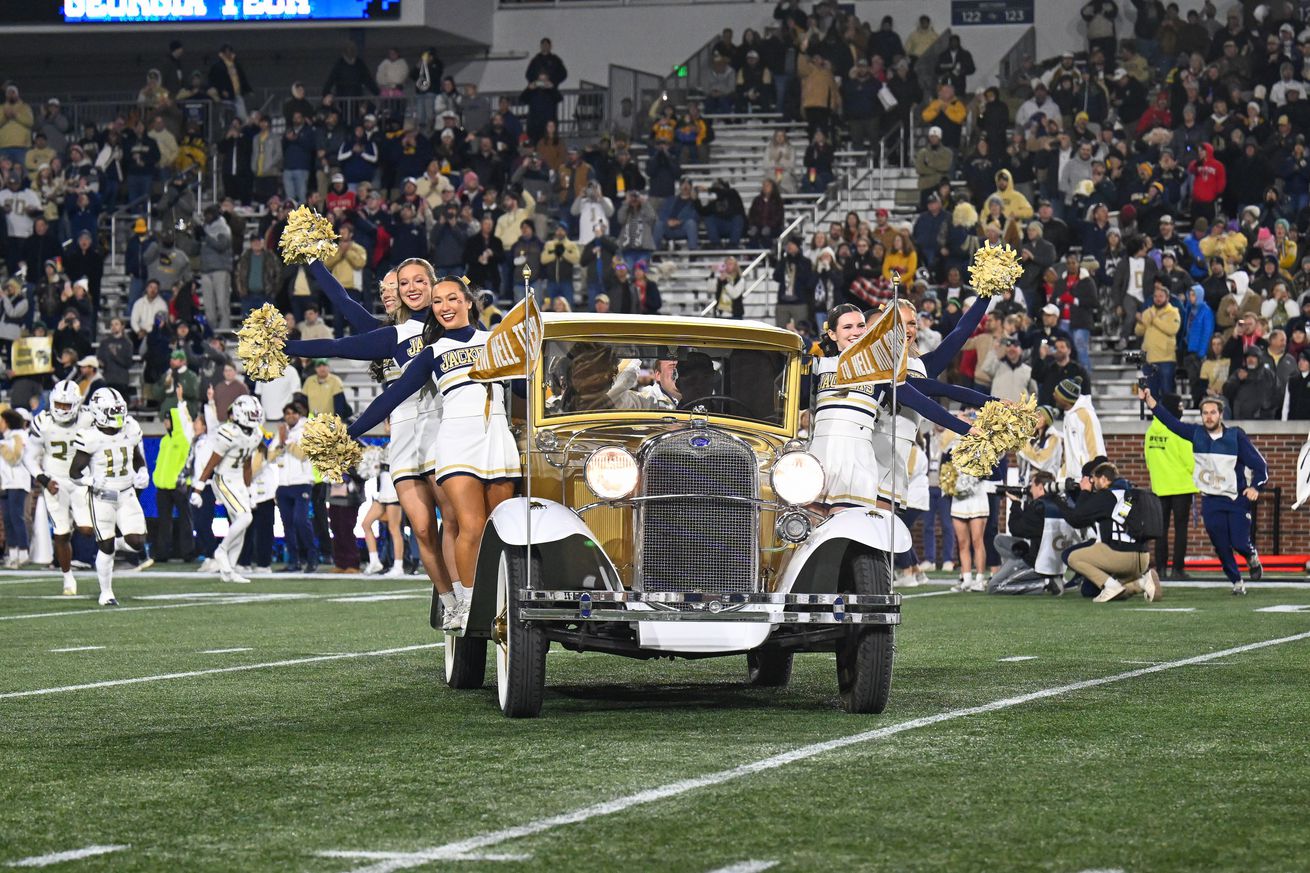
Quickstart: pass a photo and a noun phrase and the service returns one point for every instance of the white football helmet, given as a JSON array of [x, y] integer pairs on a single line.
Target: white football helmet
[[247, 411], [108, 408], [65, 401]]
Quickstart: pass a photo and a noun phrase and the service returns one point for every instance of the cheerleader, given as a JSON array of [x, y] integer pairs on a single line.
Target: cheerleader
[[845, 419], [385, 507], [969, 511], [893, 461], [398, 341], [479, 458]]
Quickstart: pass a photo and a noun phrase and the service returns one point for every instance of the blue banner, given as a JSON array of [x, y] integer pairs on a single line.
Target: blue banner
[[228, 11]]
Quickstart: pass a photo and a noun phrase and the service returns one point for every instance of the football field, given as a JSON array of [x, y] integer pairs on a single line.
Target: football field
[[301, 724]]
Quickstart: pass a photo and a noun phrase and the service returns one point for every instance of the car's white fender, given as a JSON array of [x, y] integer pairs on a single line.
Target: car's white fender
[[868, 527], [571, 557]]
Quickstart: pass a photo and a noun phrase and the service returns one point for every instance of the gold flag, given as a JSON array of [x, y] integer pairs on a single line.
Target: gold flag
[[881, 355], [32, 356], [512, 344]]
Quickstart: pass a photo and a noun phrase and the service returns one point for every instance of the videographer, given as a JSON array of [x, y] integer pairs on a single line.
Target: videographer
[[1116, 563], [1031, 550], [1224, 455]]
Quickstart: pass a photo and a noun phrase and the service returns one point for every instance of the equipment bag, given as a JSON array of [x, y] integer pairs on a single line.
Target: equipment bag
[[1145, 519]]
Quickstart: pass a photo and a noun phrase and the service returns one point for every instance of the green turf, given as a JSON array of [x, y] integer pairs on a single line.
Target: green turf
[[1199, 768]]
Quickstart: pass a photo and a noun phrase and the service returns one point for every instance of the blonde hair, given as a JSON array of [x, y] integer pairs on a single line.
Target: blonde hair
[[403, 311]]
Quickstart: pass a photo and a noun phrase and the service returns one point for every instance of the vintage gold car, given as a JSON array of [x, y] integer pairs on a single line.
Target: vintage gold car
[[671, 516]]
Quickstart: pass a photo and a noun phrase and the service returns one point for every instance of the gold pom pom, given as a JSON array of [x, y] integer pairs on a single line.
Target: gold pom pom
[[1000, 428], [329, 447], [308, 237], [946, 478], [260, 344], [994, 269]]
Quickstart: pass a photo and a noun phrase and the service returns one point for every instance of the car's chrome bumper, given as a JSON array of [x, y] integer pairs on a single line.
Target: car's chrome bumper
[[573, 606]]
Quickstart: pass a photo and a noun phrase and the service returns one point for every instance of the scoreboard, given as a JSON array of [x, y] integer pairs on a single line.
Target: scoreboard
[[181, 12]]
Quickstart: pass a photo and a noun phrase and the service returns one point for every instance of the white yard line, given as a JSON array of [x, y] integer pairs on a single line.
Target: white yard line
[[375, 598], [163, 677], [1163, 609], [61, 857], [225, 651], [77, 649], [386, 863], [747, 867], [927, 594], [1016, 658], [227, 599]]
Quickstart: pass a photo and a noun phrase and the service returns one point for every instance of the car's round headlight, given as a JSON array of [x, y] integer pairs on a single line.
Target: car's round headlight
[[611, 473], [797, 478]]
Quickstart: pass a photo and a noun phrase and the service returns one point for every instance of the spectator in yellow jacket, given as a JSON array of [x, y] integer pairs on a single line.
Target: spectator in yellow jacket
[[820, 96], [15, 126], [346, 264], [947, 112], [1158, 326], [1013, 203], [901, 259]]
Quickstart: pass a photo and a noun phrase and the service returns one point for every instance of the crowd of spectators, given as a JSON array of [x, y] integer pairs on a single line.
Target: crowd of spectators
[[1169, 161]]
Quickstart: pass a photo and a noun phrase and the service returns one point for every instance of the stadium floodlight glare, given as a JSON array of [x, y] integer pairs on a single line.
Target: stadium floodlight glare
[[611, 473]]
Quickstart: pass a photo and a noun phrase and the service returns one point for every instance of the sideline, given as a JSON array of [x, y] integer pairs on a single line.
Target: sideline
[[163, 677], [387, 863], [213, 598], [61, 857]]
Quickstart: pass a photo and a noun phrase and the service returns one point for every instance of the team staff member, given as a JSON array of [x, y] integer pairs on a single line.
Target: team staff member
[[1044, 452], [1170, 461], [295, 476], [479, 458], [1083, 440], [1224, 456], [1117, 564]]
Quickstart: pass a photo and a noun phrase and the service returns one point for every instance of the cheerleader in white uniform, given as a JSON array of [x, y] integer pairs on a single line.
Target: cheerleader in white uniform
[[478, 458], [969, 511], [846, 418], [384, 506], [398, 341]]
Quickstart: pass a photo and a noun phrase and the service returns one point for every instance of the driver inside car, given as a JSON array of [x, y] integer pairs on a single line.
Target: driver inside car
[[696, 379]]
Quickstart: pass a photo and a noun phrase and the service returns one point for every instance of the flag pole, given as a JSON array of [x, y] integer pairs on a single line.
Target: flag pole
[[528, 393], [896, 365]]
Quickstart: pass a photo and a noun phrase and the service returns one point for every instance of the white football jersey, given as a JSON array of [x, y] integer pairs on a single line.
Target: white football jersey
[[112, 454], [234, 445], [51, 443]]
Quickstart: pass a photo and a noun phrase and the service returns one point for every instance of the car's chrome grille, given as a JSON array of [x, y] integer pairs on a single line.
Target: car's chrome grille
[[699, 543]]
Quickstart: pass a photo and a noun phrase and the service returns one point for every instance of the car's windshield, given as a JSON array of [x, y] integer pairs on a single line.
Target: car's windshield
[[584, 376]]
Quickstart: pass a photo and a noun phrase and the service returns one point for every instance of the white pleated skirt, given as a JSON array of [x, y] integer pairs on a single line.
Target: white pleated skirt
[[480, 446], [851, 473]]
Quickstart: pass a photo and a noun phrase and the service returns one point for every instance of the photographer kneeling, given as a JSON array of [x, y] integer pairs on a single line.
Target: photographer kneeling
[[1031, 551], [1117, 563]]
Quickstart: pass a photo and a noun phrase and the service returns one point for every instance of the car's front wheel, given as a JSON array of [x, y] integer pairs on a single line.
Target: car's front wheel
[[865, 654], [520, 646]]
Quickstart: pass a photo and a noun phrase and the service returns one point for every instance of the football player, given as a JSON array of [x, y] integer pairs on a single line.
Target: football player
[[229, 469], [107, 459], [49, 457]]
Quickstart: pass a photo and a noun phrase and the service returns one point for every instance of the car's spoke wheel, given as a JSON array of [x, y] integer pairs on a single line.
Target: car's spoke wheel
[[865, 655], [769, 666], [520, 646], [466, 662]]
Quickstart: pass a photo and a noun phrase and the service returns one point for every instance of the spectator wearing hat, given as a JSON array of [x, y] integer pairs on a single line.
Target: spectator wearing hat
[[601, 304], [1296, 401], [955, 65], [948, 113], [795, 277], [1011, 377], [228, 81], [934, 161], [322, 388], [1250, 389], [755, 86], [1083, 440], [1209, 179]]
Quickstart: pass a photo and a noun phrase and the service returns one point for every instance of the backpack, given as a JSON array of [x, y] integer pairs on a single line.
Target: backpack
[[1145, 519]]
